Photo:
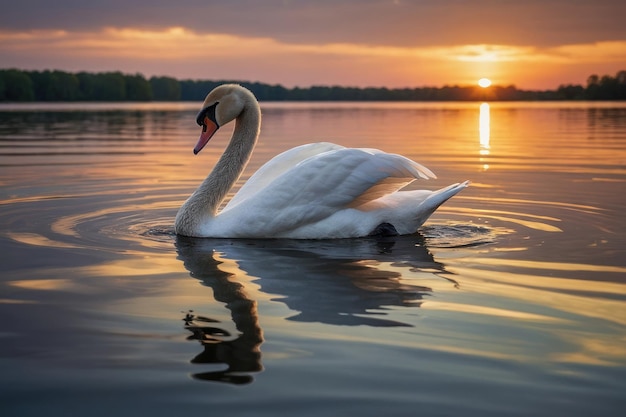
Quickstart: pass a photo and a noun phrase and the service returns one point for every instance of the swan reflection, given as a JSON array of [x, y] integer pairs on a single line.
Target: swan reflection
[[347, 282], [240, 353]]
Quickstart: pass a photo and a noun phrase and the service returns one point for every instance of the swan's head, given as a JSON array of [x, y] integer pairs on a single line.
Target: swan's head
[[222, 105]]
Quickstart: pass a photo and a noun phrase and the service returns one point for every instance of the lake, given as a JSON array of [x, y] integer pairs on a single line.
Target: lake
[[511, 300]]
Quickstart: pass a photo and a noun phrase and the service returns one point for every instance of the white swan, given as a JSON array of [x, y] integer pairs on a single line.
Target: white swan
[[314, 191]]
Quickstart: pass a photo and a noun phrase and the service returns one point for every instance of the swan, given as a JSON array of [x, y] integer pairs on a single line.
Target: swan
[[313, 191]]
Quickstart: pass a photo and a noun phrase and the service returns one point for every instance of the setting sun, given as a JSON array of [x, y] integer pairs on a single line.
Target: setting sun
[[484, 82]]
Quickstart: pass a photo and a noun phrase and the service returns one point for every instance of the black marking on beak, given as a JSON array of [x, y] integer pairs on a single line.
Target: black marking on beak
[[208, 111]]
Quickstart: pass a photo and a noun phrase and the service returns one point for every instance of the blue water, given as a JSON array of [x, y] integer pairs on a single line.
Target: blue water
[[510, 300]]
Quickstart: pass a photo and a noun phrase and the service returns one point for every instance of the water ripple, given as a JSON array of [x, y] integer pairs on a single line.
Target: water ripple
[[460, 235]]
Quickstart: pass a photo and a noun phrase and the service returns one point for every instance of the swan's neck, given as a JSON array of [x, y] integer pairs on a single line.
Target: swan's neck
[[205, 201], [231, 164]]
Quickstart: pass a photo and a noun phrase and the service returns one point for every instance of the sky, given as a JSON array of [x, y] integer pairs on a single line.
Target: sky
[[532, 44]]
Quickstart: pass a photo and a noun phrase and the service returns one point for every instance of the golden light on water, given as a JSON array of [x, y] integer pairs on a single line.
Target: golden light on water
[[484, 133], [484, 128]]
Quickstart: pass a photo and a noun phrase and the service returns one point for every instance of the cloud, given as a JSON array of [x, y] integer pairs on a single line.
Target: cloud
[[167, 44], [186, 53], [401, 23], [596, 52], [180, 43]]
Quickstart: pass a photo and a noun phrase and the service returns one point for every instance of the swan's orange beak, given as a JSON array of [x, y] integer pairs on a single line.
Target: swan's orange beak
[[208, 130]]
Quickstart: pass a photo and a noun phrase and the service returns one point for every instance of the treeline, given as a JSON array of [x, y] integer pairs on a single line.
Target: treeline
[[18, 86]]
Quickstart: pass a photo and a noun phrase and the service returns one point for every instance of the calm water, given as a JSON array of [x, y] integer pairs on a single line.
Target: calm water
[[510, 301]]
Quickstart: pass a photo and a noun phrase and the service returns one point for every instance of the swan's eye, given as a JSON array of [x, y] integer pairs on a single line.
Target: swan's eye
[[200, 117], [209, 112]]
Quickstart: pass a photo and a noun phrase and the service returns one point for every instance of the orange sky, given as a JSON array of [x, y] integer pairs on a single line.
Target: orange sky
[[402, 43]]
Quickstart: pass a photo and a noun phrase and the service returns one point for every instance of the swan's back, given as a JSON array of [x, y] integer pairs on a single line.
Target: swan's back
[[277, 166], [326, 190], [330, 175]]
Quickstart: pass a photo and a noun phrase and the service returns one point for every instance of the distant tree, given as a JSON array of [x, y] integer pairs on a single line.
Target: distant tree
[[570, 92], [66, 86], [55, 86], [87, 86], [296, 94], [262, 91], [40, 83], [165, 88], [104, 86], [17, 86], [270, 92], [593, 86], [190, 91], [137, 88], [509, 93], [196, 90], [606, 87], [111, 86], [621, 85]]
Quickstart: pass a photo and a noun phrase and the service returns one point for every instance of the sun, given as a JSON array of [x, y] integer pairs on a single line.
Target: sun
[[484, 82]]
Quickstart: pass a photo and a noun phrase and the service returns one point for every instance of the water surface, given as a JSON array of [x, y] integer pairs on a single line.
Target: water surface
[[509, 301]]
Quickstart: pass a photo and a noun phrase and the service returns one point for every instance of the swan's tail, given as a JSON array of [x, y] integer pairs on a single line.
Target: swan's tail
[[437, 198]]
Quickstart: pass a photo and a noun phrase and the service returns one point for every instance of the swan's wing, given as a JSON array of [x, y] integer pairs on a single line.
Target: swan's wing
[[278, 166], [322, 184]]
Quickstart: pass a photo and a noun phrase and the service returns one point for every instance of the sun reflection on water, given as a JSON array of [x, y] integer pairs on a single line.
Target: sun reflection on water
[[484, 132]]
